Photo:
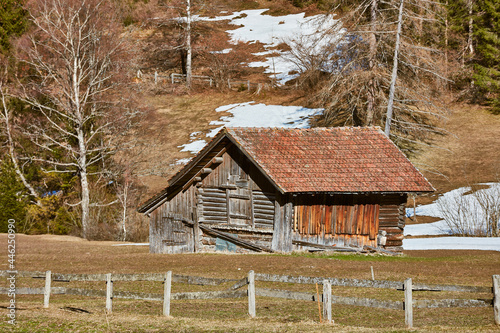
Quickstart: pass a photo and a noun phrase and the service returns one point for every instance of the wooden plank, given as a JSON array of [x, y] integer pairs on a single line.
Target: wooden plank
[[451, 303], [367, 302], [241, 283], [287, 227], [210, 205], [252, 210], [264, 216], [46, 292], [334, 281], [214, 209], [239, 216], [286, 294], [327, 301], [239, 196], [109, 293], [326, 247], [210, 213], [496, 295], [228, 206], [296, 295], [264, 210], [264, 221], [360, 217], [408, 303], [328, 219], [216, 200], [263, 202], [198, 280], [167, 291], [375, 226], [209, 294], [213, 190], [368, 219], [207, 194], [251, 294], [234, 240], [277, 241], [264, 225]]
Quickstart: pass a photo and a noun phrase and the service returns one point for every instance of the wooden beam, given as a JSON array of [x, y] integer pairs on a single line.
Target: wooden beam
[[109, 293], [251, 294], [408, 304], [214, 160], [167, 288], [496, 299], [46, 293], [326, 247]]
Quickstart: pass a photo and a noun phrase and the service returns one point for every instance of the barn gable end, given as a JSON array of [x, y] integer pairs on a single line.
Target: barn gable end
[[282, 190]]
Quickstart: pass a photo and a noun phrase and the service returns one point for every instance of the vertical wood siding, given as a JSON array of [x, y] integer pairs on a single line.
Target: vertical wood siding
[[348, 219]]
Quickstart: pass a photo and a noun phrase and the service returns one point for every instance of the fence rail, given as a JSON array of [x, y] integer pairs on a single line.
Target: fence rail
[[174, 78], [234, 291]]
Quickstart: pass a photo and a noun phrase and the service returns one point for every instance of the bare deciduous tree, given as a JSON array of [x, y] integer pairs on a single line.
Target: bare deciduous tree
[[359, 83], [6, 118], [74, 58]]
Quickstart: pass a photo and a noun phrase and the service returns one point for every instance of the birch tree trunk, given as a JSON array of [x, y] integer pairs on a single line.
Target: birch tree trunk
[[188, 44], [394, 77], [470, 44], [6, 115], [370, 109], [77, 57]]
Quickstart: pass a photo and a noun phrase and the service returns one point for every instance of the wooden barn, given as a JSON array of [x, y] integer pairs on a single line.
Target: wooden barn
[[270, 189]]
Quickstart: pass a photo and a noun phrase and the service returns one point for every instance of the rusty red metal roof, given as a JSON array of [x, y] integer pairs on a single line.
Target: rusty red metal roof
[[341, 159]]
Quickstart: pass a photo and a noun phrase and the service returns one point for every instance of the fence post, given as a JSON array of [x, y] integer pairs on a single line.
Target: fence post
[[109, 293], [156, 77], [210, 82], [229, 83], [46, 291], [251, 294], [496, 298], [172, 77], [327, 301], [248, 85], [166, 293], [373, 275], [408, 303]]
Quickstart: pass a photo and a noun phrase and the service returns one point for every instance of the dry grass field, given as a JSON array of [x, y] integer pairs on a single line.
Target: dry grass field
[[65, 254]]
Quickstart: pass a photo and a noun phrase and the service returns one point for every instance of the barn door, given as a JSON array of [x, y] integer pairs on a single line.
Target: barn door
[[175, 236], [239, 208]]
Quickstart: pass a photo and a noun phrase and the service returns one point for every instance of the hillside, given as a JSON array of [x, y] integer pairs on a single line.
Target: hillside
[[465, 153], [252, 63]]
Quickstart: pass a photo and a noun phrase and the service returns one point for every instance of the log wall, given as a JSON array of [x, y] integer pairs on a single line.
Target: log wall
[[234, 197]]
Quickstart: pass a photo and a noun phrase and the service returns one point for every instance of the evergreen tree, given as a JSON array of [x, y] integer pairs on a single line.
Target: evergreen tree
[[13, 22], [14, 199], [486, 66]]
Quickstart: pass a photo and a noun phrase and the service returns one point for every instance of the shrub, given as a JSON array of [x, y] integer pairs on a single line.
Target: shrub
[[472, 211]]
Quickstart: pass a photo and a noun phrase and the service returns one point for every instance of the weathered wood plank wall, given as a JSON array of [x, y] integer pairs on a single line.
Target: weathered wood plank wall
[[235, 197]]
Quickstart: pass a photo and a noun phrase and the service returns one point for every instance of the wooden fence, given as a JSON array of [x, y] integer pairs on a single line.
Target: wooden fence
[[235, 291], [174, 78]]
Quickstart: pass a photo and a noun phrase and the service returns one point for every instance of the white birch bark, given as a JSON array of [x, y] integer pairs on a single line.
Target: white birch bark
[[188, 45], [394, 77]]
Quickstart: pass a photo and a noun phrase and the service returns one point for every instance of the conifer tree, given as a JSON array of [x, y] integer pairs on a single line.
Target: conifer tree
[[13, 22], [486, 66]]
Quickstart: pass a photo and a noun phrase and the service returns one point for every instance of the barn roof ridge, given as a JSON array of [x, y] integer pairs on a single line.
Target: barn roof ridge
[[341, 159]]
